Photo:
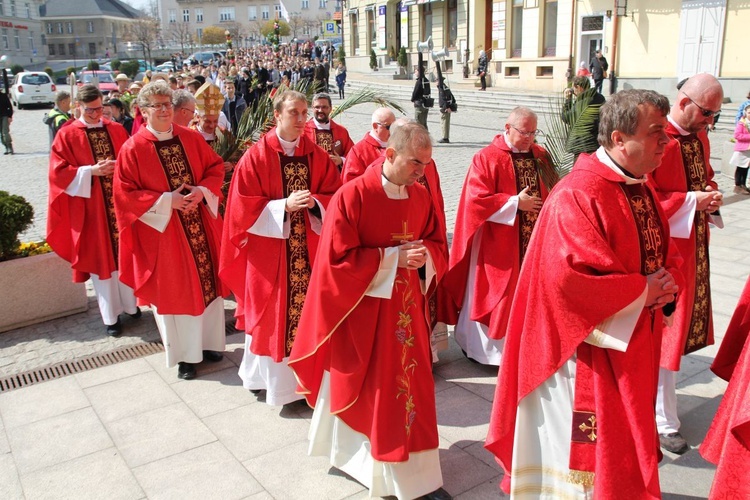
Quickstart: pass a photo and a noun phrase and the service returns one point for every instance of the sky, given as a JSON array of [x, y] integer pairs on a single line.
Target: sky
[[138, 4]]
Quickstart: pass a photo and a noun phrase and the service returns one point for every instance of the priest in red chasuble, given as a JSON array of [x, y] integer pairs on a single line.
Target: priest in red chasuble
[[687, 192], [727, 443], [277, 202], [332, 137], [371, 147], [167, 193], [573, 411], [81, 223], [362, 353], [503, 192]]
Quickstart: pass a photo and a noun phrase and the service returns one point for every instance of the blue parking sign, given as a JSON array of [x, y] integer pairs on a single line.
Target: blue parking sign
[[330, 27]]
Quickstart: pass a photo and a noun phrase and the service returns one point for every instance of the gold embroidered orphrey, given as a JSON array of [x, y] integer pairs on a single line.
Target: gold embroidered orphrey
[[103, 149], [651, 235], [432, 301], [405, 336], [295, 177], [177, 169], [693, 160], [324, 139], [526, 176]]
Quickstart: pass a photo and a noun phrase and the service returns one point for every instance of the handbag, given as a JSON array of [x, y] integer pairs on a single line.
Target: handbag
[[428, 102]]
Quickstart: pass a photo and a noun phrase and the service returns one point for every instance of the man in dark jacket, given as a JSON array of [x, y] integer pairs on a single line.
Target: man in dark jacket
[[598, 67], [420, 96], [6, 115], [234, 105], [482, 69], [447, 103]]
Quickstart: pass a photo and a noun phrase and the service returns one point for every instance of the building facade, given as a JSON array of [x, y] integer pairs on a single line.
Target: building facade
[[21, 32], [86, 29]]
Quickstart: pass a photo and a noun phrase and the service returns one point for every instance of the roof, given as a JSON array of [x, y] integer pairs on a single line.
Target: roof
[[74, 8]]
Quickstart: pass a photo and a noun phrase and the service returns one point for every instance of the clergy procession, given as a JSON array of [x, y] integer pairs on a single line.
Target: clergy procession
[[585, 288]]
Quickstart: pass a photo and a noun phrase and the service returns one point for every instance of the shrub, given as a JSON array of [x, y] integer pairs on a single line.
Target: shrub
[[16, 215], [16, 68], [115, 64], [130, 68], [93, 66], [49, 71], [341, 55], [373, 59], [402, 61], [70, 70]]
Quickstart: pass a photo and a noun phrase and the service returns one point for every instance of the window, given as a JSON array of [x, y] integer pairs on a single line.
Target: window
[[12, 8], [28, 11], [185, 15], [264, 14], [5, 40], [226, 14], [2, 8], [306, 30], [17, 40], [31, 42], [172, 15], [59, 28], [305, 4], [44, 39], [252, 13], [198, 15], [69, 27], [353, 18], [322, 4], [516, 28], [372, 30], [52, 49], [90, 26], [452, 34], [72, 49], [427, 21], [550, 28], [49, 28], [92, 49], [277, 11], [62, 49]]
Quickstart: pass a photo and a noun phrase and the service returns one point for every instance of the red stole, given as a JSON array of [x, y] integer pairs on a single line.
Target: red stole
[[376, 350]]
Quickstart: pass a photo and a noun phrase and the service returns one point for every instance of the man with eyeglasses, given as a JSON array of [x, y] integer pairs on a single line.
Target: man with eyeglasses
[[689, 195], [167, 193], [332, 137], [504, 189], [276, 205], [183, 103], [371, 147], [81, 223]]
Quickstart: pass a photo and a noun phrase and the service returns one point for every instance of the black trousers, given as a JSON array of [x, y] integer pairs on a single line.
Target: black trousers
[[740, 176]]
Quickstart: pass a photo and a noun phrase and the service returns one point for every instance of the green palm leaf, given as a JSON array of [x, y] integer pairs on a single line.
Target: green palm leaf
[[366, 96]]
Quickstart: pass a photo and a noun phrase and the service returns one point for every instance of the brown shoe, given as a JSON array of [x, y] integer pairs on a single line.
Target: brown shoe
[[741, 190]]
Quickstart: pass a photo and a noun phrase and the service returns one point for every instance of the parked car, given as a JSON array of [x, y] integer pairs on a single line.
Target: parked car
[[32, 87], [204, 58], [107, 83], [165, 67], [335, 42]]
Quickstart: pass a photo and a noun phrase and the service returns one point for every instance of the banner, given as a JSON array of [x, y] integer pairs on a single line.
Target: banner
[[381, 27], [404, 25]]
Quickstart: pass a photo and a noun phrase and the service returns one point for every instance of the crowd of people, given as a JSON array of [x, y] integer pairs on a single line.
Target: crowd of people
[[337, 255]]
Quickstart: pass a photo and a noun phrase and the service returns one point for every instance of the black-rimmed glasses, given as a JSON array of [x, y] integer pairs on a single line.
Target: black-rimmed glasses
[[533, 133]]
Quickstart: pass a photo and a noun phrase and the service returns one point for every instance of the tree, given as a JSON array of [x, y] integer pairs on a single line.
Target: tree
[[214, 35], [267, 28], [181, 33], [236, 31], [143, 31], [296, 23]]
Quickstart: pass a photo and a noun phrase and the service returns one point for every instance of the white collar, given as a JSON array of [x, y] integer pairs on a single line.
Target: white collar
[[322, 126], [287, 146], [206, 135], [681, 130], [100, 123], [161, 136], [393, 191], [382, 144], [603, 157], [511, 146]]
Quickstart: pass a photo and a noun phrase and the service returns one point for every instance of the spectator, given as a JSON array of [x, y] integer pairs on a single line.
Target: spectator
[[6, 116], [59, 114]]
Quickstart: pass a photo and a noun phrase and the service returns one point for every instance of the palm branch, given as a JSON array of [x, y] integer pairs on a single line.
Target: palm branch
[[557, 134], [365, 96]]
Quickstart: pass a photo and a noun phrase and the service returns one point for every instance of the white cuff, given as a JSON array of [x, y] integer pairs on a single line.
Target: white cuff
[[316, 224], [212, 201], [681, 222], [271, 221], [429, 273], [81, 185], [381, 285], [159, 214], [615, 331], [507, 213]]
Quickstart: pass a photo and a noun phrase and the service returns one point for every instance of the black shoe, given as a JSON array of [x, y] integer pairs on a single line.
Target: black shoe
[[255, 391], [185, 371], [444, 141], [114, 330], [438, 494], [673, 443], [137, 314], [212, 356]]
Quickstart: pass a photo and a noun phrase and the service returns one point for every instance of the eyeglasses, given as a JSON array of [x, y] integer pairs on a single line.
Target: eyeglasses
[[163, 106], [191, 111], [387, 127], [91, 111], [533, 133], [707, 113]]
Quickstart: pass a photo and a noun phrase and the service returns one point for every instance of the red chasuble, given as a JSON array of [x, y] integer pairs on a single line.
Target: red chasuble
[[492, 179], [177, 270], [269, 276], [570, 281], [83, 231], [376, 350], [362, 155], [727, 443], [336, 140], [686, 167]]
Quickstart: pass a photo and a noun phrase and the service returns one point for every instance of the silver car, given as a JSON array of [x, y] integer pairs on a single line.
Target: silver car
[[32, 87]]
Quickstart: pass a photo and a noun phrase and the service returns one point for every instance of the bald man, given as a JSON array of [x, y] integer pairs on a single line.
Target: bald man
[[371, 147], [689, 195]]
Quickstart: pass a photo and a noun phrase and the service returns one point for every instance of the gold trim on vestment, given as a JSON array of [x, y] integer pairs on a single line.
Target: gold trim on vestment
[[103, 149], [524, 166]]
